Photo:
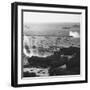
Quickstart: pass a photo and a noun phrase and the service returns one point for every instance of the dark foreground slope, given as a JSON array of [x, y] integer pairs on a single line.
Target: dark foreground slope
[[70, 57]]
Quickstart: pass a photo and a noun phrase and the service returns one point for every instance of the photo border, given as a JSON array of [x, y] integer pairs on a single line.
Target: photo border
[[14, 42]]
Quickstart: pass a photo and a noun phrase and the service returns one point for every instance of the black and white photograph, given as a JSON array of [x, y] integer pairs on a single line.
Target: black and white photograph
[[49, 44]]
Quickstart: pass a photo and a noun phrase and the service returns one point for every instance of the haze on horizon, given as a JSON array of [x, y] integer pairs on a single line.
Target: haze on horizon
[[49, 23], [37, 17]]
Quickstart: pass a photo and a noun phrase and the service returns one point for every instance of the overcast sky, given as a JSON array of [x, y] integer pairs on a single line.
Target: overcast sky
[[37, 17]]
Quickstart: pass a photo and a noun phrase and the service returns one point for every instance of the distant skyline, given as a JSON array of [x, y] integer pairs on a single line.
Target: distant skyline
[[35, 17]]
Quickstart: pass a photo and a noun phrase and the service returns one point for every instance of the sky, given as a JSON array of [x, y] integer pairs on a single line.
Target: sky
[[37, 17]]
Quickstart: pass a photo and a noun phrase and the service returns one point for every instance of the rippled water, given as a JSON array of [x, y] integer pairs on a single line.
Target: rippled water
[[45, 46]]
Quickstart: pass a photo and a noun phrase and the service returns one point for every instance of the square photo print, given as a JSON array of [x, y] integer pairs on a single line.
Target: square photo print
[[49, 44]]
